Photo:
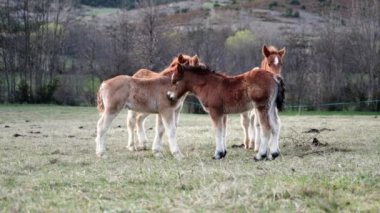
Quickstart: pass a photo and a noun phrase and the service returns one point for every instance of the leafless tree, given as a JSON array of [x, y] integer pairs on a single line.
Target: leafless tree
[[365, 36], [148, 34], [123, 44]]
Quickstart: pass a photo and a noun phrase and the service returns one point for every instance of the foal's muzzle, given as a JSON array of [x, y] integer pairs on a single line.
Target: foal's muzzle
[[171, 96]]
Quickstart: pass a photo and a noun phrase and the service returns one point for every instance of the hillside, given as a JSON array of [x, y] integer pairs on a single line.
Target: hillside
[[260, 16], [63, 44]]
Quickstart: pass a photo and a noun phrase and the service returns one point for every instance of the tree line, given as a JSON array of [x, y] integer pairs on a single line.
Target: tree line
[[48, 56], [128, 4]]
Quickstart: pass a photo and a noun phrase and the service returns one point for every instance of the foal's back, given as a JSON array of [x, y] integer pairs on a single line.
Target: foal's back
[[143, 95], [145, 73], [236, 94]]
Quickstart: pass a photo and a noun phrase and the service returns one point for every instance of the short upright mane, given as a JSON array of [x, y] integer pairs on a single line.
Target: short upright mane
[[174, 62], [201, 70], [171, 67]]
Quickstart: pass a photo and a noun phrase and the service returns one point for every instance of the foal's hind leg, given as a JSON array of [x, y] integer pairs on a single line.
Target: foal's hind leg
[[168, 118], [276, 126], [265, 133], [141, 131], [257, 130], [176, 113], [103, 124]]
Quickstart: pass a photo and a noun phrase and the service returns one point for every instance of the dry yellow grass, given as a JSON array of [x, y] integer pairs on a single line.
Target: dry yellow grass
[[48, 164]]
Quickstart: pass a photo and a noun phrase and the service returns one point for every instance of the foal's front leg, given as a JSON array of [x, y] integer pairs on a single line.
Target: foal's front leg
[[224, 140], [176, 113], [140, 119], [218, 122], [131, 123], [157, 142], [169, 120], [104, 123], [244, 121]]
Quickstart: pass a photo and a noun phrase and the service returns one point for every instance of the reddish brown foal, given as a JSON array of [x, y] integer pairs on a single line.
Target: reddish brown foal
[[142, 95], [272, 62], [136, 119], [221, 95]]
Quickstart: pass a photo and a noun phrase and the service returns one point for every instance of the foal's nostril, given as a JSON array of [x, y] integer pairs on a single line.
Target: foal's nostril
[[170, 95]]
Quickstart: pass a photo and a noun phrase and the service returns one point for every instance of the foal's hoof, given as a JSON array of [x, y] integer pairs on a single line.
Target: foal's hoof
[[259, 157], [275, 155], [178, 155], [101, 155], [158, 154], [220, 155], [141, 148], [131, 148], [171, 96], [249, 145]]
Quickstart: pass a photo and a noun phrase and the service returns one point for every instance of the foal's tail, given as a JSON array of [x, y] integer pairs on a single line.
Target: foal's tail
[[280, 93], [99, 101]]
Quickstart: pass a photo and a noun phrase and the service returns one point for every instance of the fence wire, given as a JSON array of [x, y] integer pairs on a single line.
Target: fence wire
[[197, 105]]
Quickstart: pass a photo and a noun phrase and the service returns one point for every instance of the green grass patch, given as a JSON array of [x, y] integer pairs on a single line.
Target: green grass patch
[[207, 6], [51, 166], [325, 113]]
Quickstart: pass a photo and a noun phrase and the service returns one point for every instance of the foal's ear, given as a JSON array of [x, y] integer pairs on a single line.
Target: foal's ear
[[195, 59], [282, 52], [180, 68], [181, 59], [266, 51]]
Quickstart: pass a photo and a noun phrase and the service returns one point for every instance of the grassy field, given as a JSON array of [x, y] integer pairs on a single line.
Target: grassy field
[[48, 164]]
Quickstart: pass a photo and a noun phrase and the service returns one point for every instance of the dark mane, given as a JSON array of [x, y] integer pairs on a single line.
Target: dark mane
[[201, 70]]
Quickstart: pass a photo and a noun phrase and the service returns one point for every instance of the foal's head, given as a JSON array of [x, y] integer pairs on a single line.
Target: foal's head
[[183, 70], [185, 75], [273, 59], [181, 59], [185, 60]]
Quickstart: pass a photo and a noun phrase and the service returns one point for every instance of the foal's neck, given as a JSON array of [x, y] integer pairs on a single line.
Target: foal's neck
[[167, 71], [265, 66], [196, 83]]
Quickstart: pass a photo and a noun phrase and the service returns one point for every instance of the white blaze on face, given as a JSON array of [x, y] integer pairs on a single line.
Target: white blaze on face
[[172, 77], [276, 61]]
